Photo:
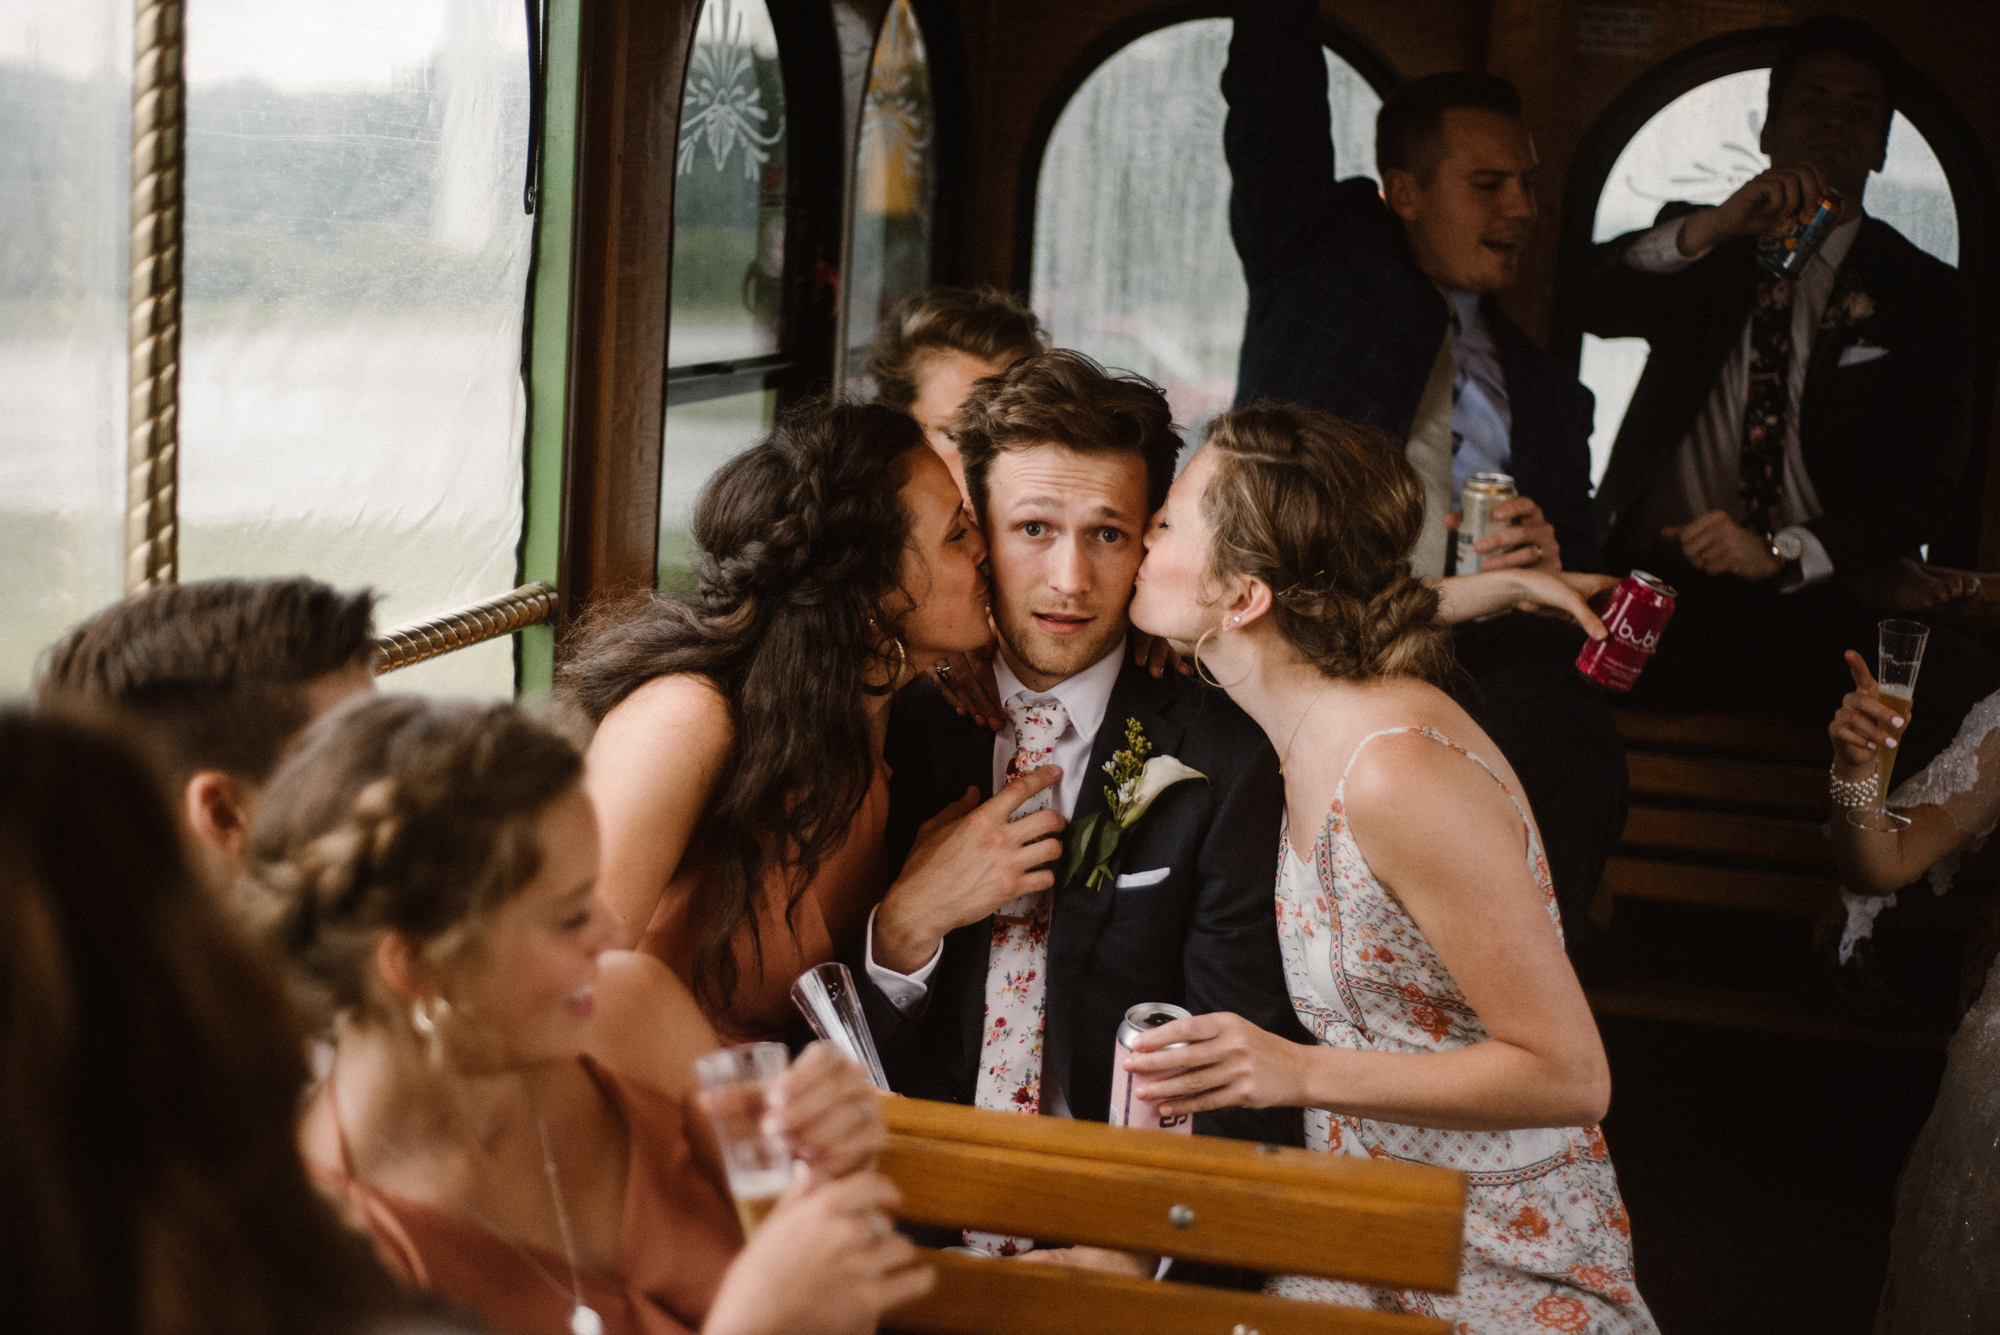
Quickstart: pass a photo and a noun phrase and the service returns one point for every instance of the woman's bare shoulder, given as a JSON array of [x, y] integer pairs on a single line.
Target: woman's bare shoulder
[[683, 717], [648, 1025]]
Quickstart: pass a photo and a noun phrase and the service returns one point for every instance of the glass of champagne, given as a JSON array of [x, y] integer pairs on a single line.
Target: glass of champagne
[[734, 1083], [831, 1005], [1899, 654]]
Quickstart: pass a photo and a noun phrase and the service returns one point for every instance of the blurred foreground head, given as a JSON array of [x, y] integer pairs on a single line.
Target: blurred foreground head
[[150, 1072]]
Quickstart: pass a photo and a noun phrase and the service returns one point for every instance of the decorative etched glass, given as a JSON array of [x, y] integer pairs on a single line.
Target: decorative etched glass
[[1132, 258], [1699, 148], [895, 185], [357, 263], [729, 190]]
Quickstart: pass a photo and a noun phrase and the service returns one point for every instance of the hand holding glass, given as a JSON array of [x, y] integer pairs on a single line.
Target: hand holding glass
[[1900, 654], [734, 1085]]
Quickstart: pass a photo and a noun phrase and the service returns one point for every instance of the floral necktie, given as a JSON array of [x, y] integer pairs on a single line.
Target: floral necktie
[[1761, 476], [1017, 959]]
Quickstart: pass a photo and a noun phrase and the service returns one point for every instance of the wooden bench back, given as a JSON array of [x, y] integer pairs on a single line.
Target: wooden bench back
[[1197, 1198]]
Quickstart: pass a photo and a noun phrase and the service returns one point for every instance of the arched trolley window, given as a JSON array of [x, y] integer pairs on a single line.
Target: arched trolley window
[[750, 317], [1127, 253], [1688, 131]]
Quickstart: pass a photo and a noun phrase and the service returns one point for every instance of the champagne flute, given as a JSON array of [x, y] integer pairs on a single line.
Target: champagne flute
[[1899, 656], [831, 1005], [735, 1083]]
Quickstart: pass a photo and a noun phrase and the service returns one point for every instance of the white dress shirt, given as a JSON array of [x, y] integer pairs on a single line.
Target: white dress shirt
[[1482, 414], [1708, 463], [1087, 696]]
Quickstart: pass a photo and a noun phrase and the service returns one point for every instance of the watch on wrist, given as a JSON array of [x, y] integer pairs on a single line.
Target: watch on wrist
[[1786, 546]]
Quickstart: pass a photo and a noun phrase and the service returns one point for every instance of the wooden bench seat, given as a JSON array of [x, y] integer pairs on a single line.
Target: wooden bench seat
[[1197, 1198]]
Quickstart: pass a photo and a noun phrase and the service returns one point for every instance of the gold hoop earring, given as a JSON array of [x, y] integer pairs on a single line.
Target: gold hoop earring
[[425, 1015], [1201, 671]]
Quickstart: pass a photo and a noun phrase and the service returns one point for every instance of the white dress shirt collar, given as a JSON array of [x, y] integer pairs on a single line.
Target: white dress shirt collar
[[1087, 698]]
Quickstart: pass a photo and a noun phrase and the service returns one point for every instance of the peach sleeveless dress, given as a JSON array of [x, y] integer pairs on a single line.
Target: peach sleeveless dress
[[828, 923], [679, 1235], [1548, 1245]]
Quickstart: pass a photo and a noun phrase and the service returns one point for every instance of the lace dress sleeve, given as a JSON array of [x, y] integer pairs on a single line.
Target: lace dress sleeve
[[1964, 782]]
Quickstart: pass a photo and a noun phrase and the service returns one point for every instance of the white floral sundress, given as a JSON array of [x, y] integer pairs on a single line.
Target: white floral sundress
[[1548, 1245]]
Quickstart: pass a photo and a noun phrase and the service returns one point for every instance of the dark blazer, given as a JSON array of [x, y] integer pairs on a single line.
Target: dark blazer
[[1205, 937], [1884, 441], [1341, 318]]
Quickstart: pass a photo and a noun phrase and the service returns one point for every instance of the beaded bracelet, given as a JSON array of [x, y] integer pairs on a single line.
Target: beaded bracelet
[[1846, 794]]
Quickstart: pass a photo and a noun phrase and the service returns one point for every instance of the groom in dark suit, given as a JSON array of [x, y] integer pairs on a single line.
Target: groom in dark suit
[[992, 975], [1377, 304]]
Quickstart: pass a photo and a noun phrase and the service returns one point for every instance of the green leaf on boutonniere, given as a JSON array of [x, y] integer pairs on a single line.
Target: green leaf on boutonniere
[[1104, 845], [1079, 845]]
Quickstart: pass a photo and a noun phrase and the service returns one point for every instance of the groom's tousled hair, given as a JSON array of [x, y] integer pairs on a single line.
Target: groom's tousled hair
[[1064, 398]]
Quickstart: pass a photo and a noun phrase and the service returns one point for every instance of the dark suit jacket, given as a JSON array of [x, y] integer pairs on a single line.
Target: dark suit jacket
[[1884, 441], [1204, 938], [1341, 318]]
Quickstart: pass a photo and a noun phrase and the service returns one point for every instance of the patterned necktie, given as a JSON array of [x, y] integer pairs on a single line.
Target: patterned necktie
[[1017, 959], [1761, 474]]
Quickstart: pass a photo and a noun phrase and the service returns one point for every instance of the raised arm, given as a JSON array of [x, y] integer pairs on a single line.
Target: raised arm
[[1613, 298], [651, 769], [1278, 136]]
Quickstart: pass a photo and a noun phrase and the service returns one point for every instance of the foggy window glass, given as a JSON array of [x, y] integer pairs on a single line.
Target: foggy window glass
[[1699, 148], [895, 183], [729, 190], [357, 259], [700, 438], [65, 203], [1132, 258]]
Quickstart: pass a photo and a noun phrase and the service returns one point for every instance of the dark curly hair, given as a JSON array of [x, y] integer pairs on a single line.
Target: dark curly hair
[[398, 813], [1326, 511], [982, 322], [797, 599], [150, 1073]]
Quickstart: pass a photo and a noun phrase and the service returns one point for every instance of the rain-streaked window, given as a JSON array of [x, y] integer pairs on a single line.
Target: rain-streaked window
[[357, 264], [728, 258], [1699, 148], [896, 183], [355, 268], [1132, 258]]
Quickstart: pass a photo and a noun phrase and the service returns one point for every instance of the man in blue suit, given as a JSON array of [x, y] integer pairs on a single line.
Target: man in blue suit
[[1377, 305]]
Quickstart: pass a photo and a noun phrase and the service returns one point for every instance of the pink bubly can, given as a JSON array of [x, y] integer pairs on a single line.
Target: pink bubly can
[[1126, 1109], [1638, 610]]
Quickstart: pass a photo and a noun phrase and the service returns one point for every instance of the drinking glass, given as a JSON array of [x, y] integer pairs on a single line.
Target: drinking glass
[[1899, 655], [734, 1083], [833, 1008]]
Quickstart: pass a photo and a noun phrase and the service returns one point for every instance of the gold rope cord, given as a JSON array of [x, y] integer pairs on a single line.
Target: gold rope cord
[[159, 116], [415, 641]]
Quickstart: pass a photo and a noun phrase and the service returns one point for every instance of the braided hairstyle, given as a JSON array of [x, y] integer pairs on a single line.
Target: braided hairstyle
[[797, 599], [1326, 512], [399, 814]]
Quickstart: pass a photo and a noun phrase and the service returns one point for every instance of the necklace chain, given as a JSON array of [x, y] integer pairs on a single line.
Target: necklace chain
[[1285, 760]]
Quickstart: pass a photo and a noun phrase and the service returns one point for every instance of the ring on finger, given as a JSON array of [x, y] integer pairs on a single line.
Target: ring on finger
[[1538, 552], [877, 1224], [942, 671]]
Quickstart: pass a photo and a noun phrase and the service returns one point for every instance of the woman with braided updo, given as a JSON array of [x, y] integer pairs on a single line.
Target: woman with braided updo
[[737, 763], [1415, 915], [508, 1107]]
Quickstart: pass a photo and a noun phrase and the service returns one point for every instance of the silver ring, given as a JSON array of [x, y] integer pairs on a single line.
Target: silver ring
[[1538, 552], [878, 1224], [942, 671]]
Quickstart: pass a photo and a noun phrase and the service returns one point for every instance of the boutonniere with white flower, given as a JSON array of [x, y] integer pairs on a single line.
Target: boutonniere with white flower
[[1847, 308], [1135, 783]]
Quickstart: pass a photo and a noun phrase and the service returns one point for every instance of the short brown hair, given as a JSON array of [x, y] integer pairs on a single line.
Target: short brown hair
[[214, 673], [1409, 129], [984, 322], [1326, 512], [398, 813], [1064, 398]]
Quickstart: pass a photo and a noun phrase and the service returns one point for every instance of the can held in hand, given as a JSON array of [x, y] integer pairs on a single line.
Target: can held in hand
[[1483, 491], [1787, 250], [1636, 612], [1127, 1109]]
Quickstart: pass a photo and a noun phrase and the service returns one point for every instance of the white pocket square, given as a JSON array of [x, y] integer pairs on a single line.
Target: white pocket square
[[1133, 880], [1861, 352]]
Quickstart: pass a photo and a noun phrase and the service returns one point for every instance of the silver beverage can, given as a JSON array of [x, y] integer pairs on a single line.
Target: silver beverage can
[[1483, 492], [1127, 1110]]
